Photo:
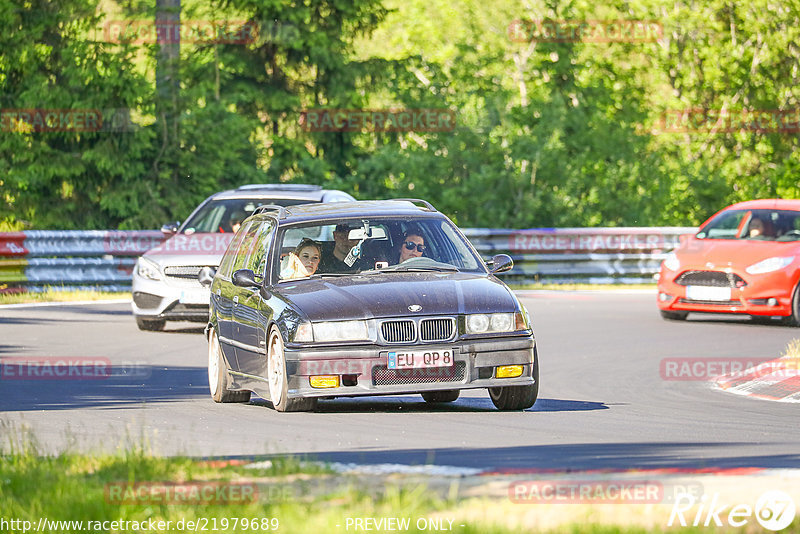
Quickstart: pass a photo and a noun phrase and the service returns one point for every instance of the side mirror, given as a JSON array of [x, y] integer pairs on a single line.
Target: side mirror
[[500, 263], [170, 228], [206, 276], [245, 278]]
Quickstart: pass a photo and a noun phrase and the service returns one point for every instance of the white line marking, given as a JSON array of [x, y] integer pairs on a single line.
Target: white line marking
[[64, 303]]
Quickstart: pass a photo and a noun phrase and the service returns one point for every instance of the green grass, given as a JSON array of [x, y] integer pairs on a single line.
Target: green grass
[[304, 497], [52, 295]]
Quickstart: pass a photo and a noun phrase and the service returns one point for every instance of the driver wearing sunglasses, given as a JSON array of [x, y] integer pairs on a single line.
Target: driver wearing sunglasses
[[412, 246]]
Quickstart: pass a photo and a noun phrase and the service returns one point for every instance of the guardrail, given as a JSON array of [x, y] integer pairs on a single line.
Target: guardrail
[[105, 259]]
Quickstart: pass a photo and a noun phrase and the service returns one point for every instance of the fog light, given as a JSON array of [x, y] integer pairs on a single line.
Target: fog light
[[324, 381], [509, 371], [663, 297], [772, 302]]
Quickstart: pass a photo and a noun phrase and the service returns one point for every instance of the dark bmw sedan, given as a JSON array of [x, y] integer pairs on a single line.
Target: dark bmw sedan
[[364, 298]]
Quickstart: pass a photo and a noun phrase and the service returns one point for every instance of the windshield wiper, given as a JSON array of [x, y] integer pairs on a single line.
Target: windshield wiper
[[399, 268]]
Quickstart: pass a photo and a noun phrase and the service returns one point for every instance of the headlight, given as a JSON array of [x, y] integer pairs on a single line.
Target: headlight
[[304, 333], [671, 262], [480, 323], [148, 269], [341, 331], [523, 319], [770, 264]]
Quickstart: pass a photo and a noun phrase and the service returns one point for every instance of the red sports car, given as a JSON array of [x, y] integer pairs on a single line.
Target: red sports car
[[745, 259]]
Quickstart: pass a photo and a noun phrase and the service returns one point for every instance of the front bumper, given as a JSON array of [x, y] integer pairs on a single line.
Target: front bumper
[[363, 369], [767, 294], [173, 299]]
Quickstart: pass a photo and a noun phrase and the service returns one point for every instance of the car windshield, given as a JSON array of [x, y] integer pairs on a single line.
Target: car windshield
[[378, 245], [220, 216], [757, 225]]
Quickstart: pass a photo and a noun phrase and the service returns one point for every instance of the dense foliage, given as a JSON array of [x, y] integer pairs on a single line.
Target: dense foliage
[[548, 132]]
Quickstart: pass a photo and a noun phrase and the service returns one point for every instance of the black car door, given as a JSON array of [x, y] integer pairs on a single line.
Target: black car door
[[251, 342], [223, 293]]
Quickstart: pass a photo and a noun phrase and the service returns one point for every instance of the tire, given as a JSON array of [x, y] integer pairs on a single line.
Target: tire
[[508, 398], [151, 325], [794, 318], [218, 378], [277, 379], [673, 316], [435, 397]]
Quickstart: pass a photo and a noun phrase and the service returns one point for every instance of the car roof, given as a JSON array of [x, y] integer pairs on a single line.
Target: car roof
[[355, 209], [309, 192], [767, 203]]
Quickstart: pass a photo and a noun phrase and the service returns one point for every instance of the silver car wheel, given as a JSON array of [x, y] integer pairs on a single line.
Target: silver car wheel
[[276, 368], [213, 363]]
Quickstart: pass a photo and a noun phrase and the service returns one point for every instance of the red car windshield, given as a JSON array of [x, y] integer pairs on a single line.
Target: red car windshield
[[759, 225]]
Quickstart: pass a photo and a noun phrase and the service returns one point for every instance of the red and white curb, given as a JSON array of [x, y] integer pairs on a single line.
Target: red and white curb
[[775, 380]]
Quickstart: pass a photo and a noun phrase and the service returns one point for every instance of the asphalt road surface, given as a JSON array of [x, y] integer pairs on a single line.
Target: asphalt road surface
[[603, 402]]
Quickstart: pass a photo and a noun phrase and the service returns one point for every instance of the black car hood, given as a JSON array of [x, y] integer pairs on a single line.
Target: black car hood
[[390, 295]]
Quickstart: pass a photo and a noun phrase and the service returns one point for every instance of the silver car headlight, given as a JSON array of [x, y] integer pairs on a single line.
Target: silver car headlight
[[341, 331], [148, 269], [482, 323], [775, 263]]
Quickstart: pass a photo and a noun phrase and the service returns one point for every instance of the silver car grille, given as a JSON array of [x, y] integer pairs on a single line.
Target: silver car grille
[[436, 329], [428, 330], [398, 331]]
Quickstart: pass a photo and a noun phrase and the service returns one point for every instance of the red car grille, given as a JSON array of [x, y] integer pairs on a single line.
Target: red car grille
[[711, 302], [710, 278]]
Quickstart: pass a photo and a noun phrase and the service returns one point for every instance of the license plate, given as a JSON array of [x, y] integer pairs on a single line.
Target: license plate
[[417, 359], [708, 293], [199, 296]]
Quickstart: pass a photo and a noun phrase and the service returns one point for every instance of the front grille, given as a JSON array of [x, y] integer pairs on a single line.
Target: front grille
[[398, 331], [382, 376], [436, 329], [711, 302], [710, 278], [183, 271], [146, 300]]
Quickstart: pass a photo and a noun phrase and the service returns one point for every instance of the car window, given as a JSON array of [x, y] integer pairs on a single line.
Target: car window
[[754, 225], [723, 226], [257, 258], [225, 266], [376, 245], [219, 216], [240, 257]]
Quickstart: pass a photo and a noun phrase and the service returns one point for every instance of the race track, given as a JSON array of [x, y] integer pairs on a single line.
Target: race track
[[603, 400]]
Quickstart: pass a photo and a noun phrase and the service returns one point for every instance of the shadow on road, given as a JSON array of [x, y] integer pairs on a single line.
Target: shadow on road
[[414, 403], [127, 386]]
